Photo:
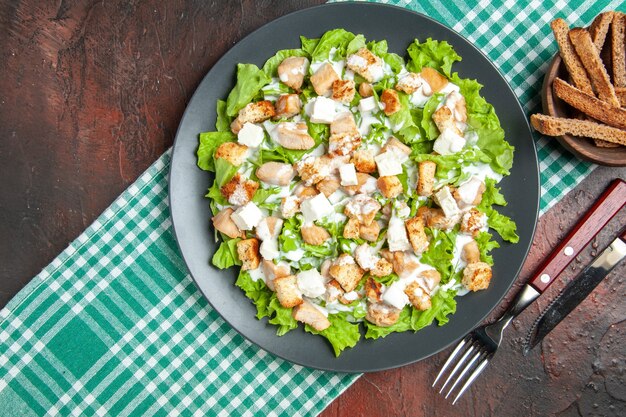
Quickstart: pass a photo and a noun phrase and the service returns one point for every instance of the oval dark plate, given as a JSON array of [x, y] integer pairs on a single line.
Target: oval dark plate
[[190, 210]]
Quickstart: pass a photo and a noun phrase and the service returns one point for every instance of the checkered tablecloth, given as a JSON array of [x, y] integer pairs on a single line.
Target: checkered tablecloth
[[115, 325]]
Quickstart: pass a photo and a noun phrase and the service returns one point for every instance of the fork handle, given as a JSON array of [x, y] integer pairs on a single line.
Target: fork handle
[[609, 203]]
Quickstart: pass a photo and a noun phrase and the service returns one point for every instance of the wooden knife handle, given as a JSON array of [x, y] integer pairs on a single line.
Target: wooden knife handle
[[609, 203]]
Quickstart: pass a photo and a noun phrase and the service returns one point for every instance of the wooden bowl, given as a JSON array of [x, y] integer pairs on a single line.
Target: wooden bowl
[[584, 148]]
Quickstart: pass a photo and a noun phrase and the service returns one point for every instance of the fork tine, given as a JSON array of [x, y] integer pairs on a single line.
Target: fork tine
[[450, 358], [464, 371], [472, 377], [458, 365]]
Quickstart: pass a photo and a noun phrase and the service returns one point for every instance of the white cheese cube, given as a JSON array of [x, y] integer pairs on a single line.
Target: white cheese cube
[[388, 164], [447, 202], [323, 110], [395, 296], [448, 143], [247, 217], [269, 249], [367, 104], [397, 239], [347, 172], [250, 135], [315, 208], [311, 283]]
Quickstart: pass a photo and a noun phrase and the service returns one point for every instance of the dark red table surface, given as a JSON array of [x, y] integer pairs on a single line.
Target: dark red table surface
[[91, 94]]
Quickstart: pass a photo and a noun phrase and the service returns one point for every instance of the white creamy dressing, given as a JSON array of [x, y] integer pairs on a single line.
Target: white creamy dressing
[[461, 241], [482, 171], [257, 274]]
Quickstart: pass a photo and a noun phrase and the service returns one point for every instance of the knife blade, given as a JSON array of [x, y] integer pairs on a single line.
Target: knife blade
[[576, 291]]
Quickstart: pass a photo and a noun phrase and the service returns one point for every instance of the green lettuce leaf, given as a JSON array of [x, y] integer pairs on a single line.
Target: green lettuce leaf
[[450, 167], [257, 291], [440, 252], [270, 68], [435, 54], [395, 61], [486, 245], [502, 224], [442, 305], [222, 123], [281, 316], [408, 129], [209, 141], [224, 171], [491, 196], [427, 122], [250, 80], [337, 38], [308, 45], [355, 44], [226, 254], [341, 334]]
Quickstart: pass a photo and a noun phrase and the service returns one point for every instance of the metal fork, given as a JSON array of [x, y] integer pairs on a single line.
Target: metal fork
[[478, 347]]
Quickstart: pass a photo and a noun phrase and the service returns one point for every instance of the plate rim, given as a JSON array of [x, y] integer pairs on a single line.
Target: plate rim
[[536, 174]]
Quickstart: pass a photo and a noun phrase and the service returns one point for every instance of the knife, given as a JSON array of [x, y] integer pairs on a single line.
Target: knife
[[576, 291]]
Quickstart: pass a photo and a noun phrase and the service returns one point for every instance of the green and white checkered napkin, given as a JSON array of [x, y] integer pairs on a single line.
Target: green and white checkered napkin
[[115, 325]]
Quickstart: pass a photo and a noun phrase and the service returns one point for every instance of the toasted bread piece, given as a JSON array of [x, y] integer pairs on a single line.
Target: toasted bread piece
[[253, 113], [557, 126], [417, 235], [591, 106], [570, 58], [590, 58], [604, 144], [418, 296], [307, 313], [363, 161], [351, 229], [426, 177], [390, 186], [343, 91], [599, 28], [239, 190], [476, 276], [618, 49], [391, 100], [232, 152], [346, 272], [287, 291], [369, 233], [621, 95], [248, 252]]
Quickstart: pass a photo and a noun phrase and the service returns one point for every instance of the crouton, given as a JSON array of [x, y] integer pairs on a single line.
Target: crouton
[[344, 123], [275, 173], [390, 186], [273, 271], [287, 105], [239, 190], [307, 313], [351, 229], [470, 252], [346, 272], [363, 161], [382, 269], [293, 136], [223, 223], [287, 291], [343, 91], [363, 208], [328, 186], [444, 120], [418, 297], [366, 90], [366, 64], [382, 315], [435, 80], [292, 70], [391, 101], [253, 113], [409, 83], [313, 169], [417, 235], [431, 278], [304, 191], [476, 276], [373, 290], [232, 152], [366, 184], [473, 222], [394, 145], [314, 235], [343, 144], [426, 178], [289, 206], [369, 232], [323, 79], [248, 253]]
